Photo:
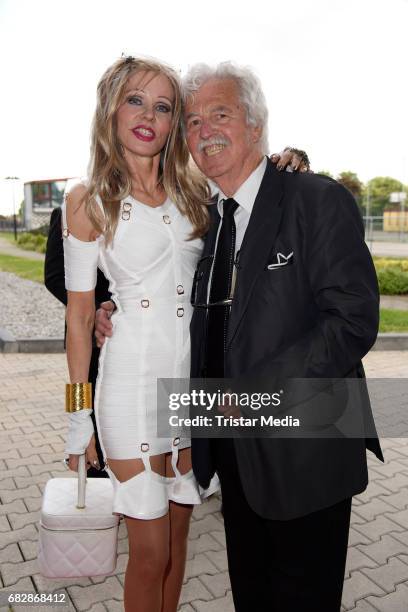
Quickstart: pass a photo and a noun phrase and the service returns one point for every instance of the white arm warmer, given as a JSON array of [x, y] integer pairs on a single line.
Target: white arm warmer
[[79, 433]]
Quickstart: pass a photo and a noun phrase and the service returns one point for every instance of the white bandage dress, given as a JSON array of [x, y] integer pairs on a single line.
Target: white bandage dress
[[150, 267]]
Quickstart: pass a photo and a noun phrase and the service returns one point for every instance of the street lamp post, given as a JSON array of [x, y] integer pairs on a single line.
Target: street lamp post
[[369, 224], [14, 178]]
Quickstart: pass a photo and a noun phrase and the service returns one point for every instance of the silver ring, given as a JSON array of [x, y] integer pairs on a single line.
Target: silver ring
[[95, 462]]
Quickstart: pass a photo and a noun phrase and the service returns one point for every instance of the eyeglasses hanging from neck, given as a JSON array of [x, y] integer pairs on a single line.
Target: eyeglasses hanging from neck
[[200, 274]]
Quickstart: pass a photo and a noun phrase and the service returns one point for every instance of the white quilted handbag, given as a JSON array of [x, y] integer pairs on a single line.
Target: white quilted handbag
[[78, 532]]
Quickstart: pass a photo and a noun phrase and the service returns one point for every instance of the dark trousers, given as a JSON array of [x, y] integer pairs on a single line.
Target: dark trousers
[[281, 566]]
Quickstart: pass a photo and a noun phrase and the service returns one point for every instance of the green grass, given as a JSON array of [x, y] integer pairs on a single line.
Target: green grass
[[32, 269], [393, 320], [8, 236]]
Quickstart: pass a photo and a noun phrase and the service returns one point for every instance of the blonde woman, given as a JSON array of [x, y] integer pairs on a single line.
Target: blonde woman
[[139, 217]]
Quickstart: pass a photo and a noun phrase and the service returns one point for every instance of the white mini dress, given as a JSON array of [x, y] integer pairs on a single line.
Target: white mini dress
[[150, 266]]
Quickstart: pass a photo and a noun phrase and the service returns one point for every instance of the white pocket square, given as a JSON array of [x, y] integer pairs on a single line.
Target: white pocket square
[[281, 260]]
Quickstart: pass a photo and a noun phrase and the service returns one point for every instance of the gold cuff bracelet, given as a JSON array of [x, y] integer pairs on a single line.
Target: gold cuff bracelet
[[78, 396]]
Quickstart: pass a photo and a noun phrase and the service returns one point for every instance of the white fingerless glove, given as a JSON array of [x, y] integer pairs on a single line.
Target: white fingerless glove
[[80, 432]]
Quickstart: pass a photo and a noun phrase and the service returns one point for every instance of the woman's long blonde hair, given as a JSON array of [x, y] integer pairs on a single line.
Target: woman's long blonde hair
[[108, 174]]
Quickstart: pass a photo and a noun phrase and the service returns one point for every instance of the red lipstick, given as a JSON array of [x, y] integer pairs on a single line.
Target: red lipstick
[[144, 133]]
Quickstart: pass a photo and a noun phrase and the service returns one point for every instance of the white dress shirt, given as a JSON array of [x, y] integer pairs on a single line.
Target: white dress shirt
[[245, 197]]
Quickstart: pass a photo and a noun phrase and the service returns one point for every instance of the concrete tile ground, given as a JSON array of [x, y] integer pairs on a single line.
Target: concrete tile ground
[[31, 445]]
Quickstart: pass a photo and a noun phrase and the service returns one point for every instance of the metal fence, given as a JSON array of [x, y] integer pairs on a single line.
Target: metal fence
[[7, 225], [374, 231]]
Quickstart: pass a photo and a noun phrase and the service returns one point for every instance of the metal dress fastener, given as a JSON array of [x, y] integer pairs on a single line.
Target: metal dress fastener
[[126, 209]]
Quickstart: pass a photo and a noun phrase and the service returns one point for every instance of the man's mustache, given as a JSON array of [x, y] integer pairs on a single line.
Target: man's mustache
[[215, 140]]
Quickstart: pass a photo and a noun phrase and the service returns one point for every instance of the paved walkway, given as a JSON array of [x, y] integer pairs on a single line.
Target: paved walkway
[[32, 429], [399, 302], [10, 248], [388, 249]]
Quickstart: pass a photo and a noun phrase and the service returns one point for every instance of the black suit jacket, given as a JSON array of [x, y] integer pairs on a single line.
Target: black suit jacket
[[313, 318]]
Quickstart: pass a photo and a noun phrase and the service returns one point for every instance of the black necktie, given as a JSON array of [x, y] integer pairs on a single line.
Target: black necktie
[[220, 290]]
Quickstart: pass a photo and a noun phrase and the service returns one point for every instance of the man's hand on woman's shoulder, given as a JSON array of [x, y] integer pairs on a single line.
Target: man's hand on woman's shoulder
[[292, 160]]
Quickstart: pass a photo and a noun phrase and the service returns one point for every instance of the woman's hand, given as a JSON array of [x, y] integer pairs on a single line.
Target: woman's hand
[[91, 457]]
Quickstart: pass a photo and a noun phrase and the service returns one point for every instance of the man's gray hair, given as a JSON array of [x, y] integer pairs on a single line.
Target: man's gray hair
[[249, 87]]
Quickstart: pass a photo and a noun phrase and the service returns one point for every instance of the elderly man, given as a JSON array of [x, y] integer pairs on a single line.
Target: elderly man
[[305, 305]]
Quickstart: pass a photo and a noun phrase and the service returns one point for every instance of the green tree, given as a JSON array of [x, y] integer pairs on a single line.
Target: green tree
[[378, 191], [325, 172], [21, 210], [351, 181]]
